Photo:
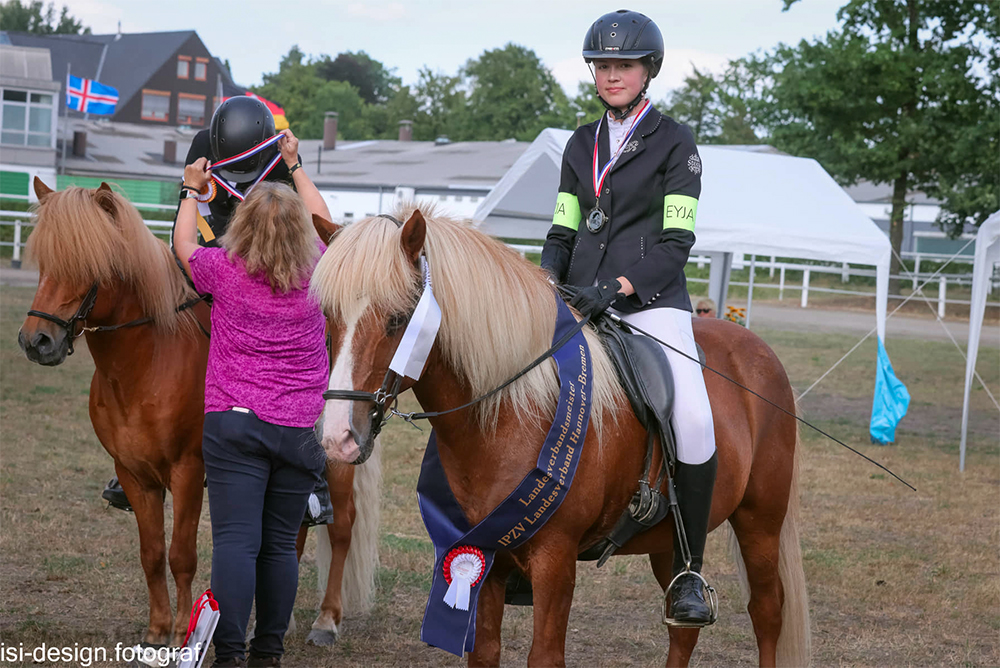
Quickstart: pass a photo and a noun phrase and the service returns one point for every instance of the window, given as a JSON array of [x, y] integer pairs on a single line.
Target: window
[[27, 118], [183, 67], [190, 109], [200, 69], [155, 105]]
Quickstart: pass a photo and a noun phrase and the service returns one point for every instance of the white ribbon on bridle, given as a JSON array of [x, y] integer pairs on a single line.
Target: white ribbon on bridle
[[421, 331]]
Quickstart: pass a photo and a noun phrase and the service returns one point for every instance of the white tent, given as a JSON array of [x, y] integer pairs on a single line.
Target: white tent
[[987, 255], [751, 202]]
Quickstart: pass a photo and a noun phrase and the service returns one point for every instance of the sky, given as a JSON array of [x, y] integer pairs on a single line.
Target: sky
[[443, 34]]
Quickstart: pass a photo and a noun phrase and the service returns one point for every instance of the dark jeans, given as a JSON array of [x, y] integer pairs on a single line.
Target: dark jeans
[[259, 479]]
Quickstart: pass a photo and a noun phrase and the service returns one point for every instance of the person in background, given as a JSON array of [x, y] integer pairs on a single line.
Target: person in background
[[267, 369], [705, 308], [633, 178]]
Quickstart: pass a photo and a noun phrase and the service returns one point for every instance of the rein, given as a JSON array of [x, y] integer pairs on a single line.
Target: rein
[[87, 305]]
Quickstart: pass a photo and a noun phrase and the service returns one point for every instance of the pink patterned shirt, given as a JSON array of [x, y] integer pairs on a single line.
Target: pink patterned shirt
[[268, 350]]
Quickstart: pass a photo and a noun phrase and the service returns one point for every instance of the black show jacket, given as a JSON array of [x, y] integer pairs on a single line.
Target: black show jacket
[[651, 198]]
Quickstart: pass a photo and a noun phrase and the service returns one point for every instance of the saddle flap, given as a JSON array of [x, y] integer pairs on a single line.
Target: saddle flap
[[643, 371]]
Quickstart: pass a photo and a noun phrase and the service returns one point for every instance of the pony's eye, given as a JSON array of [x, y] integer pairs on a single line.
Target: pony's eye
[[396, 322]]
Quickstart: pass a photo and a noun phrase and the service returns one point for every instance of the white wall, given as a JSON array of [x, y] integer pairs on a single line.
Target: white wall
[[363, 203]]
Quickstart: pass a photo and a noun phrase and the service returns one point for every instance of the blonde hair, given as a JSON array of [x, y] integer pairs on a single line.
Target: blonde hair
[[272, 233]]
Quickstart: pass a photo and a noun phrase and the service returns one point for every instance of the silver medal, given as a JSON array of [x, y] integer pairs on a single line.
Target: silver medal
[[596, 220]]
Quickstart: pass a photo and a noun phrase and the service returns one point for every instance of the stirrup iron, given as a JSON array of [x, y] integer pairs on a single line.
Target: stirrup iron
[[711, 598]]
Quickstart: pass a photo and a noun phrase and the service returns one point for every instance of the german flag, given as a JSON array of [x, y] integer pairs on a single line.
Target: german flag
[[280, 122]]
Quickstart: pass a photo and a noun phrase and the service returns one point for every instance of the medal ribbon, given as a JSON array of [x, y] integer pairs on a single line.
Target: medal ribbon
[[231, 188], [600, 175]]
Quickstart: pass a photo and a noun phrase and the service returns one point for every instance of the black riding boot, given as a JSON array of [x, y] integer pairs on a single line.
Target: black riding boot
[[694, 484], [115, 495], [320, 508]]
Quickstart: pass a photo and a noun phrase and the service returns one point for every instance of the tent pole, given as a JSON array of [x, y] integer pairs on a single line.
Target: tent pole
[[718, 279], [753, 268]]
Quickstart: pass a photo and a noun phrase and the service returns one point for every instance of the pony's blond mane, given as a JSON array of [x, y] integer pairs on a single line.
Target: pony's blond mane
[[497, 309], [82, 236]]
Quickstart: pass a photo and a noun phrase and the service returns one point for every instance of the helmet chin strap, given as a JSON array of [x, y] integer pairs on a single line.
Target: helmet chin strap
[[616, 113]]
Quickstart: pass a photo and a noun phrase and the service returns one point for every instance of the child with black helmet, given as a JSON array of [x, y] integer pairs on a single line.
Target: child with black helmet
[[633, 178]]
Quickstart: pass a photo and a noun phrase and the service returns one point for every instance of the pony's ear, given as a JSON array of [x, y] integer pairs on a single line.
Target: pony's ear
[[104, 199], [325, 229], [41, 190], [412, 235]]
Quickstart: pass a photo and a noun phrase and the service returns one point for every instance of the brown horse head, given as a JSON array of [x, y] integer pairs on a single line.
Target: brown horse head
[[497, 313], [89, 245]]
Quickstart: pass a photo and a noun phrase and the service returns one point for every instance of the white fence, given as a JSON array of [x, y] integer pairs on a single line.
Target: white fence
[[162, 227], [844, 270]]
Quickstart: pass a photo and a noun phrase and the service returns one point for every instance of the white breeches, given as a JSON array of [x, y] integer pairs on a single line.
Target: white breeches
[[692, 415]]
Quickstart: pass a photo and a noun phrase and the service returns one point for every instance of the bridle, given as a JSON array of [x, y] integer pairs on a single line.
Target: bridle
[[87, 305], [385, 399]]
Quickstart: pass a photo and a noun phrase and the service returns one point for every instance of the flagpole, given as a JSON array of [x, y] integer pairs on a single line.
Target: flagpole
[[97, 77], [65, 120]]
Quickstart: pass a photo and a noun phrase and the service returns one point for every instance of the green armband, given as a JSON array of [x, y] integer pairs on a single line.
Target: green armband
[[567, 211], [679, 212]]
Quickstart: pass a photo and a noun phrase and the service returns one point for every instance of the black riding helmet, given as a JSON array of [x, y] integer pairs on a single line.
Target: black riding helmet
[[625, 35], [239, 124]]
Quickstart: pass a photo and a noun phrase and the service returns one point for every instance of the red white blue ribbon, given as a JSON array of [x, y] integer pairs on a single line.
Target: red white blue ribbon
[[230, 187], [599, 175]]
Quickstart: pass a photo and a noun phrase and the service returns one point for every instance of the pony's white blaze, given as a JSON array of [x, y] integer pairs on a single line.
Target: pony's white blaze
[[338, 441]]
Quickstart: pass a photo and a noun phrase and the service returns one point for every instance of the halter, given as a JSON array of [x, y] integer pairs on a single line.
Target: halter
[[87, 305]]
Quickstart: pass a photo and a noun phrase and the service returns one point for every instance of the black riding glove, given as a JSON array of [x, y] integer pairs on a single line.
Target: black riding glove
[[596, 299]]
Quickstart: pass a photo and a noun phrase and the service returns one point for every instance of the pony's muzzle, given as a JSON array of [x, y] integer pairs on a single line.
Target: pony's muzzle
[[43, 348]]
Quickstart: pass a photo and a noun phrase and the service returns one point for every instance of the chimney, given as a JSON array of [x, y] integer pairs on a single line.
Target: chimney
[[330, 131], [406, 131], [169, 151], [79, 144]]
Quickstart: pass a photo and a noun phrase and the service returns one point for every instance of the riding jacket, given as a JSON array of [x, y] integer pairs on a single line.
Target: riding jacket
[[651, 199], [223, 205]]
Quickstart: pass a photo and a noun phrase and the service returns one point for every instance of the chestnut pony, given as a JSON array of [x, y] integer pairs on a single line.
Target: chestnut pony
[[498, 314], [147, 396]]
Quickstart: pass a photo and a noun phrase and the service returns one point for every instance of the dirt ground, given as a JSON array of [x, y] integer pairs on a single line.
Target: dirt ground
[[895, 577]]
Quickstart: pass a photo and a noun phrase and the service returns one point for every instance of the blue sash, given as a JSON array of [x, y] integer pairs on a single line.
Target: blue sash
[[520, 515]]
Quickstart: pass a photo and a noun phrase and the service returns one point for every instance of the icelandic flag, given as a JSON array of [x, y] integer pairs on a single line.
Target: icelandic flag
[[90, 97], [891, 400]]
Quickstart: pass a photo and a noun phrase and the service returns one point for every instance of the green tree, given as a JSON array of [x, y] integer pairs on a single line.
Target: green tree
[[35, 18], [512, 94], [374, 82], [695, 103], [441, 106], [905, 93], [306, 97]]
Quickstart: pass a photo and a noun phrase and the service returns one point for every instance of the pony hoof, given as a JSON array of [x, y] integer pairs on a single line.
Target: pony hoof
[[321, 638]]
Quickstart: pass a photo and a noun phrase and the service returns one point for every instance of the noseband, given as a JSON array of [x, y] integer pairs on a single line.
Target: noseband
[[86, 306]]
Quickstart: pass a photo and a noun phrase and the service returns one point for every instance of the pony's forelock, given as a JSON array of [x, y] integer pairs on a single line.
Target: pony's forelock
[[82, 236]]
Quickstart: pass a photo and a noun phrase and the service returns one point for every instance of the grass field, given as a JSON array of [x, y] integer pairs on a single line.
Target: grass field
[[895, 577]]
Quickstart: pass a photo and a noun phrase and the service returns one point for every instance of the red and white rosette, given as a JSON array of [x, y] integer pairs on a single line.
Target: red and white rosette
[[463, 569]]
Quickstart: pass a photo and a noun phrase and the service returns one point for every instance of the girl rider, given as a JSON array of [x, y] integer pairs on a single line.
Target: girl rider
[[622, 230]]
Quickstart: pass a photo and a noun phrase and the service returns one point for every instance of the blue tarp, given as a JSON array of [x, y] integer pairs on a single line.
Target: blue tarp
[[890, 402]]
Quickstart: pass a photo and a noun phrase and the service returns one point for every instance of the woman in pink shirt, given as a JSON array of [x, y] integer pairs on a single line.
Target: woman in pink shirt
[[267, 369]]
